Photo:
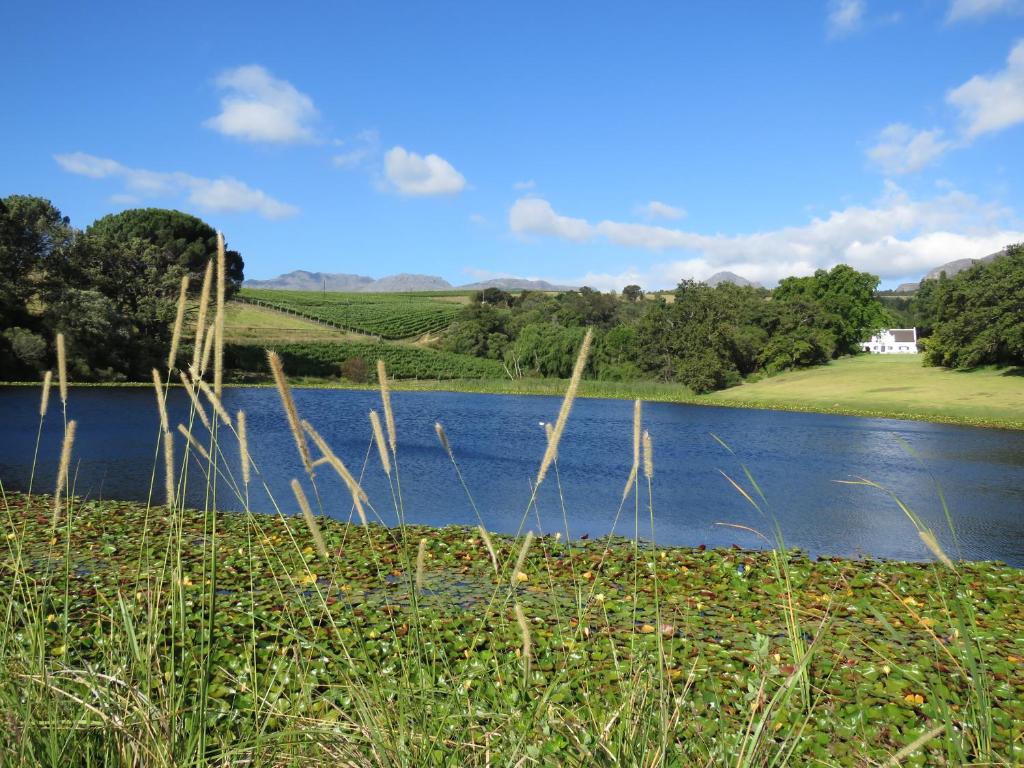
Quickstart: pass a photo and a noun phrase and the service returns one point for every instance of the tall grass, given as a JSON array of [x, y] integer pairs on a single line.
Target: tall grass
[[250, 648]]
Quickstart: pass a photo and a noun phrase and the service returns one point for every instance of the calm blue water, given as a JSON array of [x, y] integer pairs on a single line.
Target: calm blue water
[[498, 441]]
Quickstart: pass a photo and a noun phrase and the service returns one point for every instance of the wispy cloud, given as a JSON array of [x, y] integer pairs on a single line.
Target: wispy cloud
[[223, 195], [962, 10], [658, 210], [894, 237], [844, 17], [984, 104], [262, 108], [522, 186], [414, 175], [358, 150]]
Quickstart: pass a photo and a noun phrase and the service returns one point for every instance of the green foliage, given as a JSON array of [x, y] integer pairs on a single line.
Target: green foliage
[[327, 359], [546, 349], [388, 315], [979, 314]]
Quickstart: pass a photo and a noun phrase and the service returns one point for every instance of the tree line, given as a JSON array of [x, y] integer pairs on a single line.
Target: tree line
[[111, 289]]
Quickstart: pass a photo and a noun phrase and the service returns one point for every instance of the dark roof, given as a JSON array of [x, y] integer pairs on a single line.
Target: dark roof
[[903, 335]]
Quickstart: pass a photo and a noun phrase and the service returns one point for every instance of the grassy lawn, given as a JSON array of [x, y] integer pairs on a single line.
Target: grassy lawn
[[248, 324], [891, 385]]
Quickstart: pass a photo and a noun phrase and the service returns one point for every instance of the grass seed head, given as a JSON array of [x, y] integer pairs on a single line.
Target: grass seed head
[[62, 470], [648, 456], [62, 368], [44, 401], [161, 400], [378, 438], [243, 446], [385, 397], [218, 353], [524, 630], [169, 468], [421, 558], [277, 368], [307, 514], [179, 321], [204, 303], [196, 446], [563, 413], [439, 429]]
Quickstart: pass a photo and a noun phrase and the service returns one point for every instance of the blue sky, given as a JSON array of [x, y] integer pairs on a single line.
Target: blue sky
[[582, 142]]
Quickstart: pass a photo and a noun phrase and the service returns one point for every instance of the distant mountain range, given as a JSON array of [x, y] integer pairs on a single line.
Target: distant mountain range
[[729, 277], [950, 268], [301, 280]]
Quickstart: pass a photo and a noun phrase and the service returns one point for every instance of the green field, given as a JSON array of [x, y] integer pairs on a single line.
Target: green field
[[250, 324], [388, 315], [890, 385]]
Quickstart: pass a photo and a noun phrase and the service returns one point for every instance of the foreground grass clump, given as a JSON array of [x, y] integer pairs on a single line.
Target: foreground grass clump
[[186, 637]]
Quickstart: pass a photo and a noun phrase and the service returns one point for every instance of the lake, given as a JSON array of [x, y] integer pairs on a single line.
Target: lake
[[796, 458]]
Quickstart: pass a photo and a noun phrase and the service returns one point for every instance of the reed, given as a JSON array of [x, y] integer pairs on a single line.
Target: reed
[[62, 368], [62, 470], [311, 524], [378, 439], [197, 404], [243, 446], [218, 354], [563, 413], [179, 321], [421, 559], [385, 397], [196, 445], [285, 392], [204, 303]]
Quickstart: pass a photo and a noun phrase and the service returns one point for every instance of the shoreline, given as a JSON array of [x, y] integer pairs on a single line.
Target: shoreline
[[654, 392]]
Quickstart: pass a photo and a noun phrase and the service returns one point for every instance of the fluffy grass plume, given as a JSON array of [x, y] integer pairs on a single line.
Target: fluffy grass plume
[[378, 438], [197, 404], [486, 537], [62, 471], [204, 303], [277, 368], [193, 442], [385, 397], [208, 343], [648, 456], [179, 320], [932, 543], [243, 446], [62, 368], [521, 559], [358, 494], [635, 466], [161, 402], [563, 413], [524, 630], [218, 352], [439, 429], [307, 514], [169, 468], [421, 560], [44, 400], [211, 395]]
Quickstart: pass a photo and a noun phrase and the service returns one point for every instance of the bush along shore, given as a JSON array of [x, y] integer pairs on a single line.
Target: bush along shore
[[156, 635]]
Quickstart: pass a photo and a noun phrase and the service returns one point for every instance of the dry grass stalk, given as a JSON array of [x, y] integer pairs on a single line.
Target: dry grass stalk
[[204, 303], [218, 406], [62, 368], [208, 339], [439, 429], [44, 401], [62, 471], [385, 396], [218, 354], [169, 468], [334, 461], [179, 320], [563, 413], [197, 404], [421, 559], [524, 629], [277, 368], [307, 514], [490, 546], [648, 456], [243, 446], [193, 442], [161, 402], [521, 559], [378, 438], [933, 545]]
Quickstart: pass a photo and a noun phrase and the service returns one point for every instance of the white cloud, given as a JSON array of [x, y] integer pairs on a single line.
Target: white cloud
[[524, 185], [223, 195], [844, 17], [901, 149], [414, 175], [260, 107], [658, 210], [989, 104], [534, 216], [363, 147], [894, 237], [959, 10]]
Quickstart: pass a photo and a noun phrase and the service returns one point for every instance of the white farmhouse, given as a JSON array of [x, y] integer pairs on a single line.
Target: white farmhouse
[[893, 341]]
